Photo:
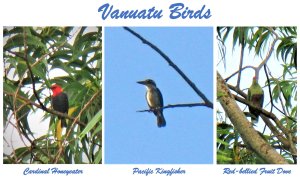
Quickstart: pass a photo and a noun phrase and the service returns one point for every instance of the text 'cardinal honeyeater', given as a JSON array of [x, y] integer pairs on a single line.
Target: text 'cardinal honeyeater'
[[60, 102]]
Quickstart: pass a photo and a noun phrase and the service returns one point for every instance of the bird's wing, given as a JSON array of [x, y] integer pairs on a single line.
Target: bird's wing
[[62, 103], [65, 97], [262, 99], [160, 95]]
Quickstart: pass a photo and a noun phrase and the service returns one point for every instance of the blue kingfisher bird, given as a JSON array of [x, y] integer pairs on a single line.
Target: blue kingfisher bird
[[155, 101]]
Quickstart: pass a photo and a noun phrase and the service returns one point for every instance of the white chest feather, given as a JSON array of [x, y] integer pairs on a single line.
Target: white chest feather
[[153, 98]]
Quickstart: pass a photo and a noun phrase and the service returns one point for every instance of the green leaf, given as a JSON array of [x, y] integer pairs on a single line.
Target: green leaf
[[8, 88], [39, 70], [61, 54], [18, 41], [98, 157], [61, 65], [97, 130], [91, 124], [275, 93], [260, 43]]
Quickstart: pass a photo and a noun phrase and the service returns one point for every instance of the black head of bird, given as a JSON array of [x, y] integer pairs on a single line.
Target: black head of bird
[[147, 82]]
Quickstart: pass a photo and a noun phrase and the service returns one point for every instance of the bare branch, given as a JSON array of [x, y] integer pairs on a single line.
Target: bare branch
[[169, 61], [176, 106], [229, 77]]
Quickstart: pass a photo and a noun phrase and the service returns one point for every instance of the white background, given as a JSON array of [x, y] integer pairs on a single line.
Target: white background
[[85, 13]]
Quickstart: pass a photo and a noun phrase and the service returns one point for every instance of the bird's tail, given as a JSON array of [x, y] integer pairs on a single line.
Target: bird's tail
[[254, 120], [60, 125], [161, 122], [63, 122], [58, 132]]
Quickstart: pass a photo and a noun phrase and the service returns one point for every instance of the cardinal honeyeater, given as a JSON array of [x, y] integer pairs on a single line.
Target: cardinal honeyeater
[[60, 102], [256, 97]]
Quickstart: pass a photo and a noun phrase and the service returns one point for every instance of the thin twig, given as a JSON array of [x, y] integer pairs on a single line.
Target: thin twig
[[241, 64], [30, 72], [222, 51], [268, 56], [229, 77], [176, 106]]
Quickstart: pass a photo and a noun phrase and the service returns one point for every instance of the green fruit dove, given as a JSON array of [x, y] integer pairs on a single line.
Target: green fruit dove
[[256, 97]]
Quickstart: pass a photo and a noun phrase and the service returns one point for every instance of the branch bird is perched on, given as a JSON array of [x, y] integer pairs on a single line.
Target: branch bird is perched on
[[60, 102], [256, 97], [155, 101]]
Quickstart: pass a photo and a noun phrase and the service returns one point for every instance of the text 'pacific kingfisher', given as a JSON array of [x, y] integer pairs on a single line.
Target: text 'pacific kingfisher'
[[155, 101], [256, 97]]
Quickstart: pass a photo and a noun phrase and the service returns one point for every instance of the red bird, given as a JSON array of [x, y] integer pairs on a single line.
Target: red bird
[[60, 102]]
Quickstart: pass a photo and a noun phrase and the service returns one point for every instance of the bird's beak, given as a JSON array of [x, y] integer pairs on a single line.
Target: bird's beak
[[141, 82]]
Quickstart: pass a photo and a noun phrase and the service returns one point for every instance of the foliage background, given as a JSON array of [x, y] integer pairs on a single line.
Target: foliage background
[[70, 57], [249, 47]]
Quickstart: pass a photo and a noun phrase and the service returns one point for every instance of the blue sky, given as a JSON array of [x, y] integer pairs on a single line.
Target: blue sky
[[133, 137]]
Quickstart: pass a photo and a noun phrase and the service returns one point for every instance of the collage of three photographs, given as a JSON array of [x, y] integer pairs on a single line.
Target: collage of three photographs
[[149, 95]]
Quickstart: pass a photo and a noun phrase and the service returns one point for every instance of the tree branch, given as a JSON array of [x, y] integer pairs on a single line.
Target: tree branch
[[30, 72], [244, 101], [288, 140], [268, 54], [244, 127], [176, 106], [241, 63], [240, 70], [169, 61], [51, 111]]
